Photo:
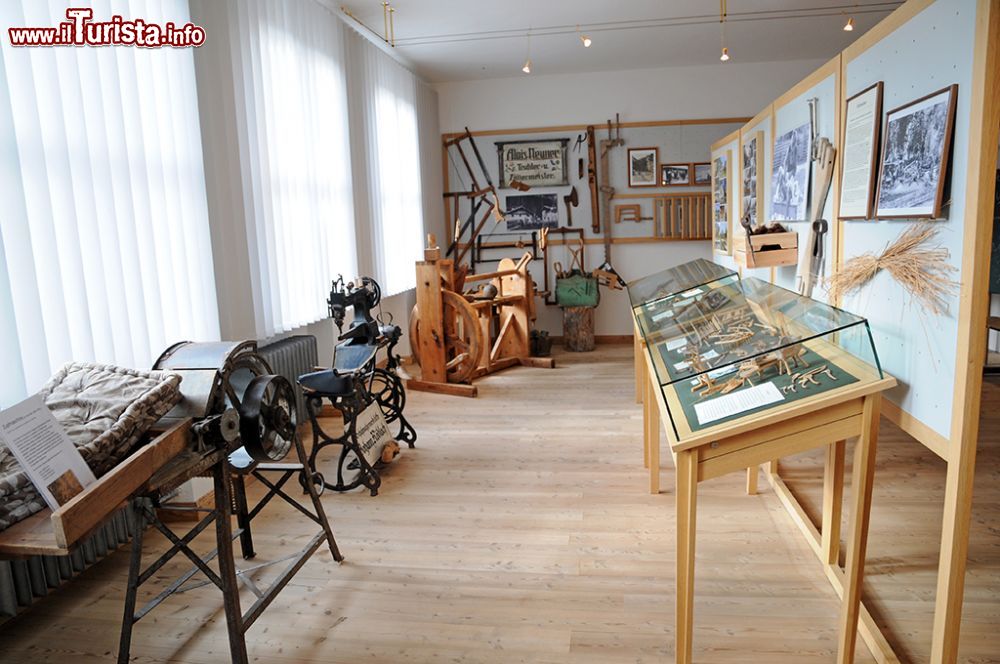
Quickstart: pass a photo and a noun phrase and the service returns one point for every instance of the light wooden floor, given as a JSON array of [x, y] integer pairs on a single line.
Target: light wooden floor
[[520, 530]]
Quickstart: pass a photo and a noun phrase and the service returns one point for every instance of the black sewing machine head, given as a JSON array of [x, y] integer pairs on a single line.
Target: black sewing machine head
[[363, 297], [358, 345]]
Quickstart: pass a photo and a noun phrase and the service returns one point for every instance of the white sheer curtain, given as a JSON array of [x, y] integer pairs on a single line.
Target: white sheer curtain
[[103, 219], [388, 105], [292, 132]]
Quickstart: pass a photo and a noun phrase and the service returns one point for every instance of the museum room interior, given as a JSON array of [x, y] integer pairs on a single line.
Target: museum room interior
[[462, 331]]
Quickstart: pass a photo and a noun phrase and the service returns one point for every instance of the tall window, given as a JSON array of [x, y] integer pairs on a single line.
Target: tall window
[[388, 106], [104, 232], [291, 107]]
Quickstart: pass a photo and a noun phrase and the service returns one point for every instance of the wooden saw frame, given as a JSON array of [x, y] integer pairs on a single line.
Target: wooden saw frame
[[457, 337]]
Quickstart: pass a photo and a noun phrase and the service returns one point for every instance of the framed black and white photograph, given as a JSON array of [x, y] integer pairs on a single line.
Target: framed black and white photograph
[[532, 211], [750, 186], [702, 176], [915, 153], [790, 175], [534, 163], [642, 163], [675, 175], [720, 203], [862, 122]]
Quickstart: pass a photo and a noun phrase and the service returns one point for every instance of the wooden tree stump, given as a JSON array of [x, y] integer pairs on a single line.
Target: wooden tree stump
[[578, 328]]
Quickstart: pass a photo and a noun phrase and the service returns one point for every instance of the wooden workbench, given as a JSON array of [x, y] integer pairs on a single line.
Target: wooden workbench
[[822, 421]]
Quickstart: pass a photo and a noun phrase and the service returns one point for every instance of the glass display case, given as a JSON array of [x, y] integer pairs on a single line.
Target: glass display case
[[727, 349], [675, 281]]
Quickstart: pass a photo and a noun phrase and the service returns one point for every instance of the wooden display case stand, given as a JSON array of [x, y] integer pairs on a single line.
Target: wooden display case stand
[[824, 422]]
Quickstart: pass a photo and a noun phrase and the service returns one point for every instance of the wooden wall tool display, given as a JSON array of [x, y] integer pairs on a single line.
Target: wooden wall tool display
[[477, 196], [456, 337]]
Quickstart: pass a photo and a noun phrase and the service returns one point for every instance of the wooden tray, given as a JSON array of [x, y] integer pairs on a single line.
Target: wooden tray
[[781, 249]]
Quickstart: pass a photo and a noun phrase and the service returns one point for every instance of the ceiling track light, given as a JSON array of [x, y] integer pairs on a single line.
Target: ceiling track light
[[849, 26], [584, 39], [722, 30], [527, 58]]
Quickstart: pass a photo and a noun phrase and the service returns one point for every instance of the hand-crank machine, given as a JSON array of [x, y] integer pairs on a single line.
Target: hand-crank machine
[[457, 336]]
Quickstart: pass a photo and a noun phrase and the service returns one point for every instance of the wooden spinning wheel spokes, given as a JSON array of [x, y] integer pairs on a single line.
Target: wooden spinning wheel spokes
[[463, 337]]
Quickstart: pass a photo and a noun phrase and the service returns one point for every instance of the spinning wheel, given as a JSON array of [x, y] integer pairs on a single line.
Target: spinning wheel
[[463, 337]]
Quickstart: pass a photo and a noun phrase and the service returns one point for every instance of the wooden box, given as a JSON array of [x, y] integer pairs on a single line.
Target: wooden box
[[769, 250]]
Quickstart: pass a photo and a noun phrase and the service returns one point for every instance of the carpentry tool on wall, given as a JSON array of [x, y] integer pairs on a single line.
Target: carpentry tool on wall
[[630, 212], [571, 201], [544, 243], [595, 214], [811, 261], [608, 191]]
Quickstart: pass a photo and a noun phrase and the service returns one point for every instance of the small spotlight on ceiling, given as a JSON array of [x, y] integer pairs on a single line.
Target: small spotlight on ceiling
[[725, 54], [527, 66], [587, 41], [849, 26]]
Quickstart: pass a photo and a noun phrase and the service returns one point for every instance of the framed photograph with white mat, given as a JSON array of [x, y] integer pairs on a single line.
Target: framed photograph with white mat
[[915, 153]]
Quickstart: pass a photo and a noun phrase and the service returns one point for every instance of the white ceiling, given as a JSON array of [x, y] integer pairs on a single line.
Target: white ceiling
[[453, 40]]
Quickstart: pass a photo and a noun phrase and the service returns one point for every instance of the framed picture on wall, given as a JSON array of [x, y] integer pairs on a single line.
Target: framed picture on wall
[[915, 153], [675, 175], [702, 176], [533, 163], [862, 122], [751, 185], [720, 203], [790, 175], [642, 163], [532, 211]]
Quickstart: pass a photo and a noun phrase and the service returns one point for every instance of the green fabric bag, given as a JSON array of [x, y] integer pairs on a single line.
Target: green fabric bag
[[577, 290]]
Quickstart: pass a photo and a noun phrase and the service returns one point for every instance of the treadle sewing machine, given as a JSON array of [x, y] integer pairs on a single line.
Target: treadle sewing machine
[[362, 391], [235, 419]]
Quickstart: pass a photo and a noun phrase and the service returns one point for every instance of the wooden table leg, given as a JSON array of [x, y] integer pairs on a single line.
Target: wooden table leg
[[833, 498], [640, 362], [653, 436], [687, 504], [752, 473], [646, 406], [857, 535]]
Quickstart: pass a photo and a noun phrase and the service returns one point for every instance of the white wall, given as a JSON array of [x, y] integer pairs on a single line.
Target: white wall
[[710, 91]]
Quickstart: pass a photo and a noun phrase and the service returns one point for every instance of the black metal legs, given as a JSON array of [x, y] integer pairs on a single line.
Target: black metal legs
[[351, 457], [137, 523], [228, 577], [387, 389]]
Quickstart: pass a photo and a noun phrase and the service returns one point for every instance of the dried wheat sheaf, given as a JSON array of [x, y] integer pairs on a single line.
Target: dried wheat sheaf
[[924, 272]]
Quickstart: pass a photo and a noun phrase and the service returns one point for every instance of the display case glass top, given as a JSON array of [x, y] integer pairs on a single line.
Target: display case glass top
[[675, 281], [730, 349]]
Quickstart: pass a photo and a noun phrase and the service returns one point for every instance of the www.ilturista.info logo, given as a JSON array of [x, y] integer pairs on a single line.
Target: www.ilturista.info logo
[[81, 30]]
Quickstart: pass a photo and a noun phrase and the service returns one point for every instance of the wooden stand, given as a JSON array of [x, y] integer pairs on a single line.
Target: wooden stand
[[824, 422], [578, 329], [457, 338]]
